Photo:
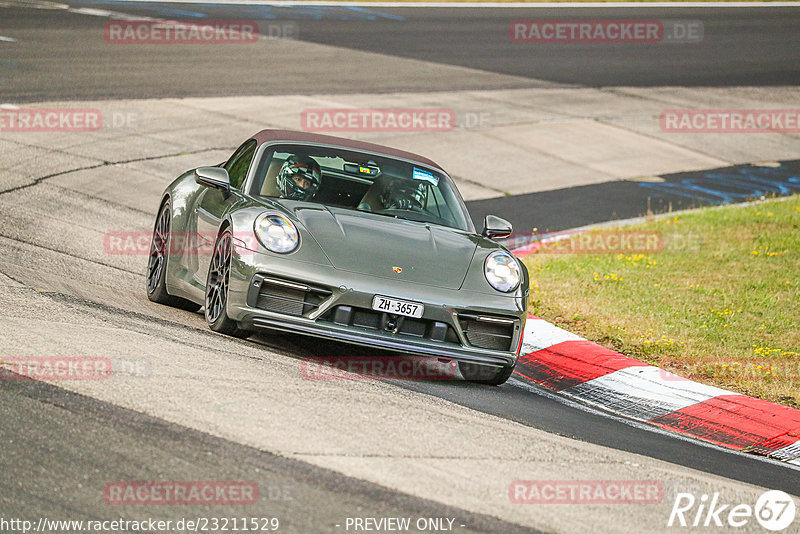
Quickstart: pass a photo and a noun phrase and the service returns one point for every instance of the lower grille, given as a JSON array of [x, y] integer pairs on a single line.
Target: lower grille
[[405, 326], [487, 332], [290, 298]]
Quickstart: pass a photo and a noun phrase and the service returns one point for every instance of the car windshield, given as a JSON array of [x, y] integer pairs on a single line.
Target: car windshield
[[360, 181]]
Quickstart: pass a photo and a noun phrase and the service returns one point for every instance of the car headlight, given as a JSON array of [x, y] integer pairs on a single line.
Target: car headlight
[[276, 233], [502, 271]]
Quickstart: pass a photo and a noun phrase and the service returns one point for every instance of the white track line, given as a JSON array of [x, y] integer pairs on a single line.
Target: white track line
[[578, 404], [540, 334], [790, 453], [644, 392]]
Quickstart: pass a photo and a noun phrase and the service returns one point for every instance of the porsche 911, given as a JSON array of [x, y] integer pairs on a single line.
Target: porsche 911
[[344, 240]]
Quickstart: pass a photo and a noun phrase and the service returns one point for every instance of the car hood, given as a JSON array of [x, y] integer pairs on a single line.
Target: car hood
[[383, 246]]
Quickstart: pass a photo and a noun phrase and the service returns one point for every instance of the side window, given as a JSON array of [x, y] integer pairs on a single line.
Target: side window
[[239, 163]]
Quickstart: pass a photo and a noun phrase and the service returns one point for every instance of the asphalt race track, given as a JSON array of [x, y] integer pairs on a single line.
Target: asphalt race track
[[207, 407], [739, 48], [63, 426], [563, 209]]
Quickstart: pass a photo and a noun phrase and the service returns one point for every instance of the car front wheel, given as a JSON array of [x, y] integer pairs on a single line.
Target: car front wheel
[[485, 374], [217, 282]]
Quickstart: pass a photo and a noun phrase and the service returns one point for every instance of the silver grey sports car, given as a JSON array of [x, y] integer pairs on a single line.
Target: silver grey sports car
[[344, 240]]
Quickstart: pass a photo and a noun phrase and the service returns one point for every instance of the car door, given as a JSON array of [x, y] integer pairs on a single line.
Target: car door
[[213, 204]]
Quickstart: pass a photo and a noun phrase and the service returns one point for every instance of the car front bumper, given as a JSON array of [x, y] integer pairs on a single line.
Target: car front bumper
[[342, 303]]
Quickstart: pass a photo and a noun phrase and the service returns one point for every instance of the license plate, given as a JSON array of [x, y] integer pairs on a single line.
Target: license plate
[[397, 307]]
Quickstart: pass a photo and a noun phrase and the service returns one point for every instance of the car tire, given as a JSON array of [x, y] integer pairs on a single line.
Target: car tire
[[485, 374], [217, 281], [157, 264]]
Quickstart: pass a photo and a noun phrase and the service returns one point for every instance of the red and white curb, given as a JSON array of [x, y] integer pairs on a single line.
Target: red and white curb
[[580, 369]]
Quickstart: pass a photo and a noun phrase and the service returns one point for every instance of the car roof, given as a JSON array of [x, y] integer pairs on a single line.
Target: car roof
[[266, 136]]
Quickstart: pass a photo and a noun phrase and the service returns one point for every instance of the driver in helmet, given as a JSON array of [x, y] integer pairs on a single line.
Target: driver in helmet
[[299, 178], [403, 195]]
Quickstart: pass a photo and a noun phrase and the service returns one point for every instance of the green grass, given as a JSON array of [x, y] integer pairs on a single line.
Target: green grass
[[720, 303]]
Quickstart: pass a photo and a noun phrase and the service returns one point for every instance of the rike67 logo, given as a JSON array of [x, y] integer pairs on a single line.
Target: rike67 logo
[[774, 510]]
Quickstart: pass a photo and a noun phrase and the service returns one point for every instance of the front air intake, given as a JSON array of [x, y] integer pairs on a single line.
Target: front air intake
[[288, 297], [487, 332]]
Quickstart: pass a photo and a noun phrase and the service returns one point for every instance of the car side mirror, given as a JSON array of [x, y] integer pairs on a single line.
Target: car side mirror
[[215, 177], [496, 228]]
